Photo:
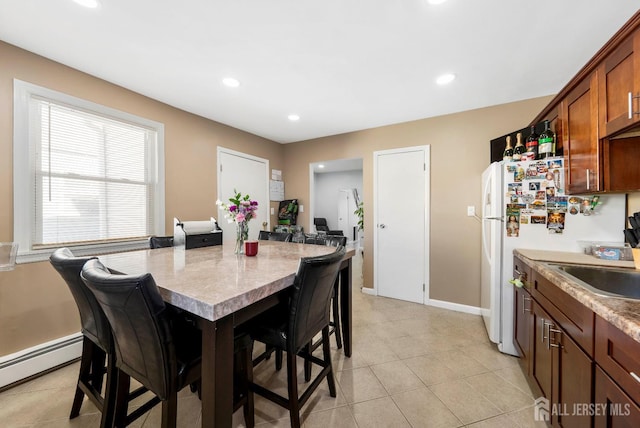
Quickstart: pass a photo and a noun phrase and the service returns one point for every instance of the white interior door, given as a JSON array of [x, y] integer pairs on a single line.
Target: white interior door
[[401, 181], [246, 174], [343, 214]]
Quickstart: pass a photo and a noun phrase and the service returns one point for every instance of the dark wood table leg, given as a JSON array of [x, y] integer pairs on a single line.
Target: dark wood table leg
[[345, 305], [217, 373]]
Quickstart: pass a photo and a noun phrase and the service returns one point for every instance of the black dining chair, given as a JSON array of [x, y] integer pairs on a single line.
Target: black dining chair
[[265, 235], [97, 342], [292, 325], [334, 325], [154, 344], [160, 242]]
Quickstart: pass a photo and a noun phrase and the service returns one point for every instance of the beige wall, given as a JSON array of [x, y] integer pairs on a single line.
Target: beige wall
[[459, 153], [35, 305]]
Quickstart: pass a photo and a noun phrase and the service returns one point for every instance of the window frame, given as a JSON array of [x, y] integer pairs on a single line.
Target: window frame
[[23, 177]]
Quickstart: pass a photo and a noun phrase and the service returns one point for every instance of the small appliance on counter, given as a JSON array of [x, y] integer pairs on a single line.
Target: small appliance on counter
[[196, 234]]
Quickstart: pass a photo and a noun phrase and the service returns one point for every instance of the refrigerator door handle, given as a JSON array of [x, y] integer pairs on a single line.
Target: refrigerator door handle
[[485, 195]]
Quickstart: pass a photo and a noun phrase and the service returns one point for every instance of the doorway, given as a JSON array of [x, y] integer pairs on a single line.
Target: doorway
[[250, 176], [401, 235]]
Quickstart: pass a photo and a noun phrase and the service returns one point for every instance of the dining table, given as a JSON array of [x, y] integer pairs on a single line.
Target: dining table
[[221, 290]]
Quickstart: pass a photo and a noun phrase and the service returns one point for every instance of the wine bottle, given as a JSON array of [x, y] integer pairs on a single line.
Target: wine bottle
[[507, 156], [546, 142], [519, 149], [532, 144]]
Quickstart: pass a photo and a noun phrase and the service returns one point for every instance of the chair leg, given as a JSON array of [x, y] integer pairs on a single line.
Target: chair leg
[[248, 408], [336, 314], [84, 375], [278, 359], [307, 363], [121, 399], [170, 411], [292, 386], [97, 367], [326, 350], [110, 393]]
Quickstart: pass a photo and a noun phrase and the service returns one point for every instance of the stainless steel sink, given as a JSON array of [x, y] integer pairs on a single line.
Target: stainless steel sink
[[610, 282]]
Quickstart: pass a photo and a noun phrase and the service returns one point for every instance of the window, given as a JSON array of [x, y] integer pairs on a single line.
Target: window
[[85, 176]]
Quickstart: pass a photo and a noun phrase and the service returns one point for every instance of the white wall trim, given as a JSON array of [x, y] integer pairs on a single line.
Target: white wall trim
[[473, 310], [368, 290], [34, 360]]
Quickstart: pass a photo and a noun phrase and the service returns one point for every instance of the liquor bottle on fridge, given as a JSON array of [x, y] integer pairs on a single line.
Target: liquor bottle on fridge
[[507, 156], [519, 149], [532, 145], [546, 142]]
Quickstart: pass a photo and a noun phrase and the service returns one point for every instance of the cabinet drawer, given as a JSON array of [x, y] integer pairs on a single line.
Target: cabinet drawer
[[575, 318], [614, 408], [619, 355]]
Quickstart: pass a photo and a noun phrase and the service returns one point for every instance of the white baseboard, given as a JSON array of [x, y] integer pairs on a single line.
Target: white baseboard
[[369, 291], [31, 361], [454, 307]]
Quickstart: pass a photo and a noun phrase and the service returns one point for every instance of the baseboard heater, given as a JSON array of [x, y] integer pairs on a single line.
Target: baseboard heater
[[29, 362]]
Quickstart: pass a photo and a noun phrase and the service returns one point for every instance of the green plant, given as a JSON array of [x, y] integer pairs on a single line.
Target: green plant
[[360, 213]]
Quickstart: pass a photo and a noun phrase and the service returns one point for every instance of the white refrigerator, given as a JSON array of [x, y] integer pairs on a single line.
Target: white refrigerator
[[524, 206]]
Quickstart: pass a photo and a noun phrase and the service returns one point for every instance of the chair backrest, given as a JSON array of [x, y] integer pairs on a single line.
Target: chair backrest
[[160, 242], [321, 224], [265, 235], [335, 240], [138, 318], [310, 302], [94, 323]]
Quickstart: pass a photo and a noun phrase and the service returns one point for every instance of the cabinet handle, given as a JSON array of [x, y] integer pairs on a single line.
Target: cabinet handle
[[588, 179], [553, 331], [524, 300], [635, 376], [630, 105], [543, 325]]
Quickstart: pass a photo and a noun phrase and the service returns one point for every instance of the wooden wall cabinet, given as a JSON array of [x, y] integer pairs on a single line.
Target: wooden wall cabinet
[[619, 87], [579, 118], [598, 124]]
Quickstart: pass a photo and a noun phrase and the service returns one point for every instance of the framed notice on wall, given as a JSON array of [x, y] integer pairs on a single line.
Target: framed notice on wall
[[276, 190]]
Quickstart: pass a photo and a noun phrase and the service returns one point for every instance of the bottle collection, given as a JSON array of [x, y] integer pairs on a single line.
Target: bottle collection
[[536, 146]]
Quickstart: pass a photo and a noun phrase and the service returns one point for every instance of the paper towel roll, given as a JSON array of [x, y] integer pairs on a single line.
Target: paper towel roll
[[196, 227]]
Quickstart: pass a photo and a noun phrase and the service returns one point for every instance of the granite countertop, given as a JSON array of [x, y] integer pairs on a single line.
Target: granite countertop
[[622, 313]]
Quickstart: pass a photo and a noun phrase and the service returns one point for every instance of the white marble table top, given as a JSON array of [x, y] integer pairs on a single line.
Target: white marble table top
[[213, 282]]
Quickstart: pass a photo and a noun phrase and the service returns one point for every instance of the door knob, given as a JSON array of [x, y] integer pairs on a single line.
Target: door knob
[[382, 226]]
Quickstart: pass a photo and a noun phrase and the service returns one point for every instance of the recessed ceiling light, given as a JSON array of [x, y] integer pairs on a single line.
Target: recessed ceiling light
[[436, 1], [293, 117], [92, 4], [321, 166], [231, 82], [445, 78]]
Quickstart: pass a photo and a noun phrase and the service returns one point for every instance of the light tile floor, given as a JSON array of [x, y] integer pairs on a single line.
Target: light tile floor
[[412, 366]]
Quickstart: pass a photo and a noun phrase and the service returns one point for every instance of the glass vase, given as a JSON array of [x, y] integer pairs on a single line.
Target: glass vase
[[242, 235]]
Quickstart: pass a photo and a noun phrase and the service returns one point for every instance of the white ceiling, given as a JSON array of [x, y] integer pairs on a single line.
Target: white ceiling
[[342, 65]]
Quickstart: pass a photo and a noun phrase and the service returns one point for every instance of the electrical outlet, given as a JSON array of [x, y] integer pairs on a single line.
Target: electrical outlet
[[471, 211], [273, 211]]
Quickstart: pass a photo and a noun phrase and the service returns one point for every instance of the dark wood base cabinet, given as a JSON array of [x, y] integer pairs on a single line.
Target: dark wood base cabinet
[[586, 368], [614, 408]]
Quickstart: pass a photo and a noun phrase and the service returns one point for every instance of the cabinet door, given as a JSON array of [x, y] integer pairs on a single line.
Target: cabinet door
[[541, 362], [572, 380], [614, 408], [579, 119], [618, 86], [523, 325]]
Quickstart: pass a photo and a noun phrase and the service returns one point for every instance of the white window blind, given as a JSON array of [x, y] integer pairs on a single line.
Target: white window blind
[[93, 177]]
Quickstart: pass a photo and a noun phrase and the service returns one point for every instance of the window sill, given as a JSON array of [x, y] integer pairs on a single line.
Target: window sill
[[82, 250]]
